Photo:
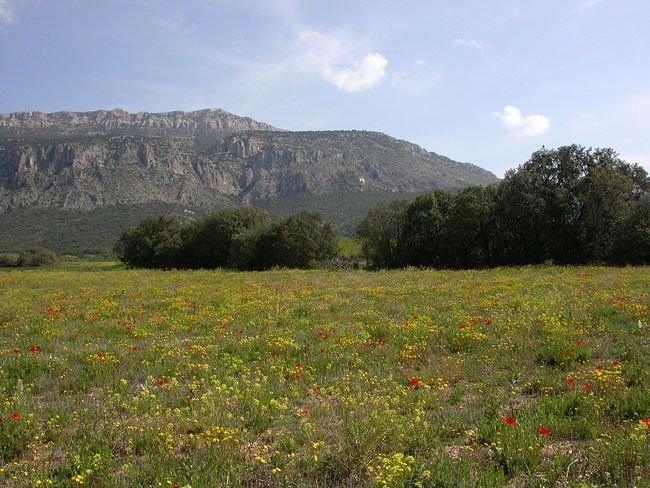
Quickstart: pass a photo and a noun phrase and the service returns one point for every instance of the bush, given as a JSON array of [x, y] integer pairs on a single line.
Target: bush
[[8, 261], [37, 256]]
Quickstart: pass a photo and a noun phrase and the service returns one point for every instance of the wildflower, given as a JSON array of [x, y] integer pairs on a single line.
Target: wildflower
[[645, 421], [570, 381], [298, 365], [414, 382], [509, 421], [579, 343], [380, 342], [315, 388], [305, 412], [572, 350], [160, 383], [616, 363], [100, 355], [599, 367], [586, 387], [134, 348], [15, 416], [16, 351], [543, 431], [296, 377], [561, 353]]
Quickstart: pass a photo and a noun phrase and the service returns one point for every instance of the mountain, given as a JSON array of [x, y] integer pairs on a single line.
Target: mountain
[[86, 162]]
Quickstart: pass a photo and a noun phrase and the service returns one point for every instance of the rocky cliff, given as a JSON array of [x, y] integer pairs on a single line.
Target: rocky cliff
[[97, 171], [176, 125]]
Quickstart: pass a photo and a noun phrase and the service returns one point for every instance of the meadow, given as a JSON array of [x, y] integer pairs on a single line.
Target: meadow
[[531, 376]]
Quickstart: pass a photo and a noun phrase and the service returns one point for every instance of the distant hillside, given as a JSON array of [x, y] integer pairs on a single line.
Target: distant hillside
[[86, 162]]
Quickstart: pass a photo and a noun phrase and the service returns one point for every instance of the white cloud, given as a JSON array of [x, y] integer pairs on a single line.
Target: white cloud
[[588, 5], [419, 62], [7, 12], [364, 75], [529, 125], [473, 43]]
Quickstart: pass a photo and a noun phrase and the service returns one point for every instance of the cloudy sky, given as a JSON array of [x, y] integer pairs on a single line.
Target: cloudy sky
[[480, 81]]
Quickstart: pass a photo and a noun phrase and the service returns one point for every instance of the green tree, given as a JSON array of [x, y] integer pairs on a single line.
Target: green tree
[[632, 237], [420, 240], [468, 236], [381, 231], [294, 242], [207, 242], [154, 243], [564, 204]]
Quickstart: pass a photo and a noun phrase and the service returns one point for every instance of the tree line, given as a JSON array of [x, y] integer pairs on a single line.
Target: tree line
[[242, 238], [570, 205]]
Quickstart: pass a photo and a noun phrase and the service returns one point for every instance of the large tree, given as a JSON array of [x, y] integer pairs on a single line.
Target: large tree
[[154, 243], [564, 204], [381, 231]]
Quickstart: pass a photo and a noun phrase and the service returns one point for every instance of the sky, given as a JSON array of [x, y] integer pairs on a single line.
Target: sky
[[481, 81]]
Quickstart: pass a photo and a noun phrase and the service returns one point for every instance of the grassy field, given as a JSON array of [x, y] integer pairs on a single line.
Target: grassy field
[[536, 376]]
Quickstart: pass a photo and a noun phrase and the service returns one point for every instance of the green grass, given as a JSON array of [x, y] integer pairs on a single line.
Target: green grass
[[131, 378]]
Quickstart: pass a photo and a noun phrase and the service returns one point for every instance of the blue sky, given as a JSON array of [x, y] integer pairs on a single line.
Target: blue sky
[[480, 81]]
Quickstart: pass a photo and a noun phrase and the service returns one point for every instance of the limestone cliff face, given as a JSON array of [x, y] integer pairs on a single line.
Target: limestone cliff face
[[177, 125], [82, 161]]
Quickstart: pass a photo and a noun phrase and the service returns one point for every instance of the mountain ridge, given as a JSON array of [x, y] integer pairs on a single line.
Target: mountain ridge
[[207, 159]]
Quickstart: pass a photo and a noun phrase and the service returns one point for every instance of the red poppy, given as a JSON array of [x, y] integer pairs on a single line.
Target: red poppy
[[645, 421], [414, 381], [305, 412], [599, 367], [133, 348], [572, 350], [561, 353], [380, 342], [296, 377], [322, 350], [314, 388], [272, 354], [509, 420], [15, 416], [488, 322], [586, 387], [298, 365], [160, 382], [616, 363], [16, 351], [570, 381], [100, 355], [474, 322], [544, 431], [579, 343]]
